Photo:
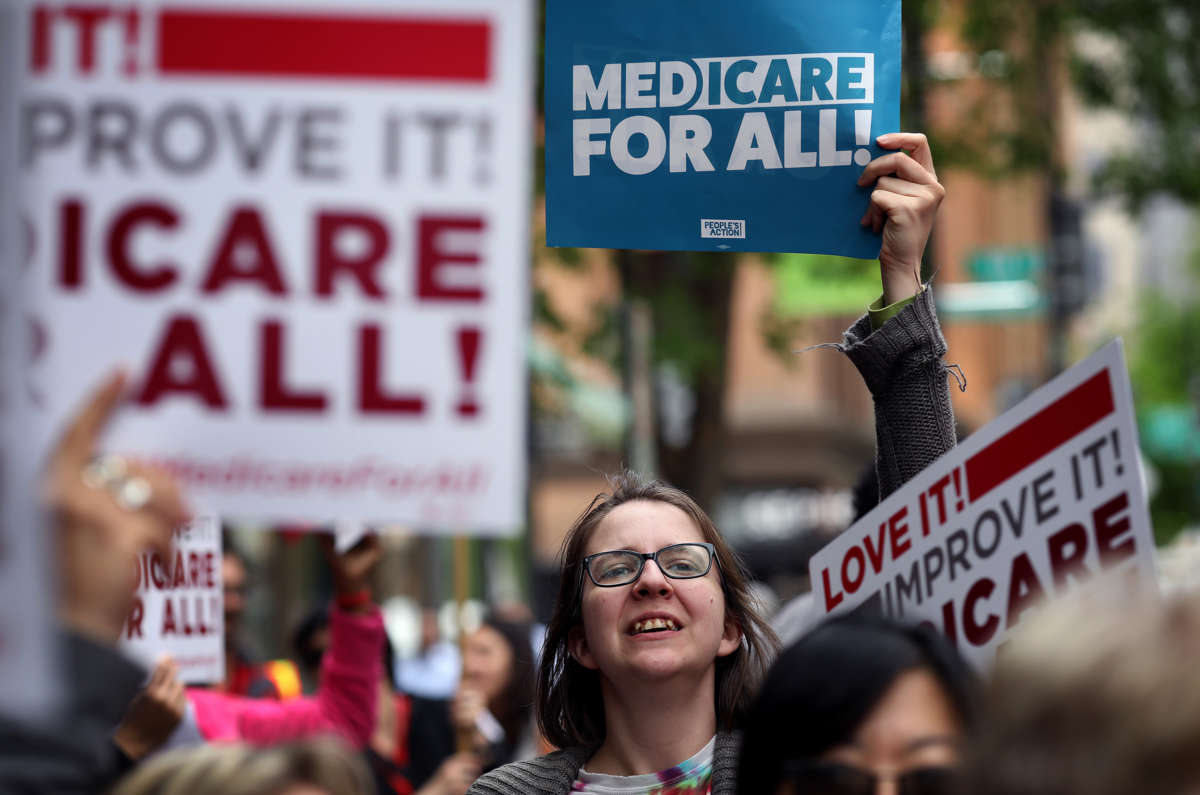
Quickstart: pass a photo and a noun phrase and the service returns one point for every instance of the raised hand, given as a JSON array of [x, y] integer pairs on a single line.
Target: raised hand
[[352, 568], [903, 206], [105, 512], [154, 712]]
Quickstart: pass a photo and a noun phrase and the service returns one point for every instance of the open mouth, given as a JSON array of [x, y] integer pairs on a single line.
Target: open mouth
[[653, 625]]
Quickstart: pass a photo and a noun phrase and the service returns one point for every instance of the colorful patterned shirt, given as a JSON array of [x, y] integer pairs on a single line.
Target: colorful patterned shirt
[[692, 776]]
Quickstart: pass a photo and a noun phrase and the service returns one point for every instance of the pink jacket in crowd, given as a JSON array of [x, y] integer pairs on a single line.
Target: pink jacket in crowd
[[344, 703]]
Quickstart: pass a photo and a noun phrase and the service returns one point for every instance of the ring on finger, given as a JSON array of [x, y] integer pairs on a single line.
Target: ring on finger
[[105, 472], [133, 493]]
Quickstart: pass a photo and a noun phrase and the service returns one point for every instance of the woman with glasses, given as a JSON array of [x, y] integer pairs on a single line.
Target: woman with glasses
[[655, 649], [860, 706]]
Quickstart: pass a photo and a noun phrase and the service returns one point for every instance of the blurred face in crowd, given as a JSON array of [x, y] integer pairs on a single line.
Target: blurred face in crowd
[[233, 579], [656, 626], [914, 727], [487, 662]]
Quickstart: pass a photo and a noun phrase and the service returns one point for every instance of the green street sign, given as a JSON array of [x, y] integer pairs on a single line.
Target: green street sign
[[1001, 264]]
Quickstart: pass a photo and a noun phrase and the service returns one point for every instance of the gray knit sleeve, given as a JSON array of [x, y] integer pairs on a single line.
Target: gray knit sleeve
[[552, 774], [901, 363]]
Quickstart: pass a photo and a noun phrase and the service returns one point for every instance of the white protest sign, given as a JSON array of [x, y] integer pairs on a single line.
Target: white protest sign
[[27, 664], [1035, 504], [179, 608], [303, 226]]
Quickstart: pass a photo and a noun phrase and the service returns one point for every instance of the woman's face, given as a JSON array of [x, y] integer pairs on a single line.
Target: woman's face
[[487, 663], [914, 726], [655, 627]]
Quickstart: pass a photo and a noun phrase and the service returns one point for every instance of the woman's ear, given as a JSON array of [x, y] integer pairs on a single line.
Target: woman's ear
[[578, 647], [731, 638]]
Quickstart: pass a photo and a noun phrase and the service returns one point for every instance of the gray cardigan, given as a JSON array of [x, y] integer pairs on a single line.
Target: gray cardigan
[[914, 425]]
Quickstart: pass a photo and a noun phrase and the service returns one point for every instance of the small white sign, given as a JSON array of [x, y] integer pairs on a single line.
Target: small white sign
[[1043, 500], [722, 227], [179, 608]]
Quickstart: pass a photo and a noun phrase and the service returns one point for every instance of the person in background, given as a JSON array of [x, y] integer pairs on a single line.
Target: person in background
[[245, 675], [414, 745], [101, 513], [317, 767], [433, 672], [492, 709], [860, 705], [1096, 695], [345, 701]]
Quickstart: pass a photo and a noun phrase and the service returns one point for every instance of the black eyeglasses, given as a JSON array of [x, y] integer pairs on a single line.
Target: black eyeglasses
[[829, 778], [623, 566]]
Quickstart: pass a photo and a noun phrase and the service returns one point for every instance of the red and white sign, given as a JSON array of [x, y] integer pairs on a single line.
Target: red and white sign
[[1039, 502], [303, 227], [179, 608]]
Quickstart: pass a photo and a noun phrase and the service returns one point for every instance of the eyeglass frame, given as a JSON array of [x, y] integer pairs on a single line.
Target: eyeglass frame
[[585, 566]]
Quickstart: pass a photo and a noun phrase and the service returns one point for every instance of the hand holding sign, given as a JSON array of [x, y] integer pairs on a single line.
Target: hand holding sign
[[102, 529], [154, 713], [903, 206], [352, 569]]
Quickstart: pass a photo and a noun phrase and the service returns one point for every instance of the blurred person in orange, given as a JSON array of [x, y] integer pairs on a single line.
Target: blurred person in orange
[[245, 674]]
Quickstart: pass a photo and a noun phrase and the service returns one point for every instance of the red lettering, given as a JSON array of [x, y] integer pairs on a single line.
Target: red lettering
[[362, 268], [155, 277], [70, 256], [898, 529], [949, 625], [244, 254], [194, 569], [86, 19], [157, 575], [975, 633], [434, 254], [938, 490], [208, 570], [133, 625], [851, 585], [1068, 550], [875, 551], [372, 399], [39, 50], [180, 578], [1109, 527], [832, 600], [182, 345], [169, 627], [273, 391], [1024, 589]]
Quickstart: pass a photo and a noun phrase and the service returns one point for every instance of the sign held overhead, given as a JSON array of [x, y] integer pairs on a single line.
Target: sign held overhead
[[1042, 500]]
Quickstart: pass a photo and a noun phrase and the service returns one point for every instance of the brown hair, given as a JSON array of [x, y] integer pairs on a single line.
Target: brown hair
[[570, 710]]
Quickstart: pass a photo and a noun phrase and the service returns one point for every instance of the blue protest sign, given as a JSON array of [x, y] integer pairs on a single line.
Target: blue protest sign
[[704, 124]]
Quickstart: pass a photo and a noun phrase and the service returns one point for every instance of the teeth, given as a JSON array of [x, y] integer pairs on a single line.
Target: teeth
[[652, 624]]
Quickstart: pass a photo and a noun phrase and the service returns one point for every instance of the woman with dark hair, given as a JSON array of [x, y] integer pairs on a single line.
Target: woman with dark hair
[[492, 709], [858, 701], [655, 648]]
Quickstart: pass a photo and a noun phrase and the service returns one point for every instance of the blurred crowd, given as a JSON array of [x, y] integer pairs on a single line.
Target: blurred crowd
[[659, 673]]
